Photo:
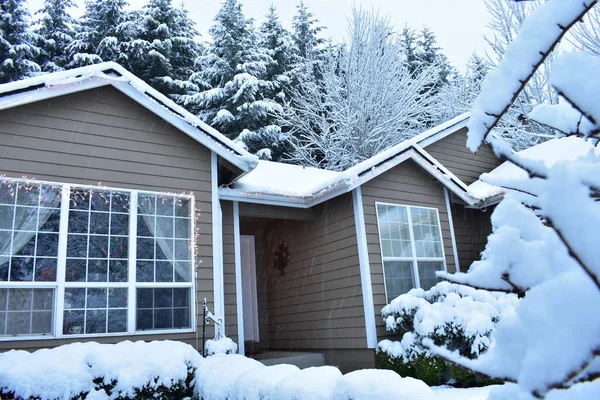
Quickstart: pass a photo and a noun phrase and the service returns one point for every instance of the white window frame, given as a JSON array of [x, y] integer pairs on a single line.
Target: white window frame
[[414, 259], [60, 284]]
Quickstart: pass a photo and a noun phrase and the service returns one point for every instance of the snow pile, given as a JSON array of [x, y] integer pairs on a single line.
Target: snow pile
[[457, 316], [222, 346], [286, 179], [60, 373], [216, 378], [381, 385], [257, 384], [69, 371], [316, 383]]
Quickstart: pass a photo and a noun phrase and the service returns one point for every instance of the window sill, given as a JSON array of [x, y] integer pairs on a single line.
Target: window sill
[[91, 336]]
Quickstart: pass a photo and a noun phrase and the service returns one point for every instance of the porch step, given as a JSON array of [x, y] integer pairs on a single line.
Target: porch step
[[299, 359]]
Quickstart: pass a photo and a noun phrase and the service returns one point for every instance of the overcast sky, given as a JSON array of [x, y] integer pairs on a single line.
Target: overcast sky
[[458, 24]]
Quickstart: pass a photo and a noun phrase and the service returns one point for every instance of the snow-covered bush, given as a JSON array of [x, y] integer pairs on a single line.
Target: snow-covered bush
[[550, 349], [125, 370], [454, 316], [370, 384]]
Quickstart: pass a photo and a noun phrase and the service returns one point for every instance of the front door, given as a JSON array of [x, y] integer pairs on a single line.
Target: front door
[[249, 298]]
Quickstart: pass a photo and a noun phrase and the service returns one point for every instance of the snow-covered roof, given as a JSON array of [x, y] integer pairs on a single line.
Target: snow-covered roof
[[56, 84], [296, 186], [550, 152]]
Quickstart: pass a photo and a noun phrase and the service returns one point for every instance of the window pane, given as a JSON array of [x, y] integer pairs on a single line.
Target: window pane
[[119, 202], [117, 271], [77, 246], [79, 199], [183, 271], [99, 223], [98, 246], [163, 308], [76, 270], [399, 278], [97, 271], [119, 224], [28, 194], [4, 264], [45, 269], [100, 200], [427, 276], [183, 207], [6, 217], [7, 192], [145, 271], [26, 311], [95, 310], [78, 221], [21, 269], [47, 245], [428, 243]]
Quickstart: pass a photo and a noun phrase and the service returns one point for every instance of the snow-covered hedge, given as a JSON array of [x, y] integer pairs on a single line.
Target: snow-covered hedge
[[457, 317], [127, 370], [174, 370]]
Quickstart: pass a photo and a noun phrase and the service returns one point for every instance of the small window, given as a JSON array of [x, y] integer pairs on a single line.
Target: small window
[[411, 247]]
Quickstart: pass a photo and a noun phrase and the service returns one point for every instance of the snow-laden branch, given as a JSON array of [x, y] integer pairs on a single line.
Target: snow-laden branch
[[537, 38]]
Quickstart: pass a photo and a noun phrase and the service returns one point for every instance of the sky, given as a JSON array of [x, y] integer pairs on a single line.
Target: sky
[[458, 24]]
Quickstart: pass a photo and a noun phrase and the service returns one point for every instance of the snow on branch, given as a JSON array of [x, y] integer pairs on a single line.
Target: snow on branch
[[538, 36]]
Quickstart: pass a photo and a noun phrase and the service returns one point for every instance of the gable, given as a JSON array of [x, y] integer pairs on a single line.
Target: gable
[[453, 153], [99, 135]]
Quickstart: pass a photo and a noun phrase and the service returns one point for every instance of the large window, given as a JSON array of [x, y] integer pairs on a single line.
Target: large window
[[411, 247], [93, 261]]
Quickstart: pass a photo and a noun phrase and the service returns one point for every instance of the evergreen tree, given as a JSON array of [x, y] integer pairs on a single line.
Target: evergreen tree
[[17, 51], [55, 31], [409, 41], [101, 34], [232, 93], [306, 33], [431, 54], [160, 46]]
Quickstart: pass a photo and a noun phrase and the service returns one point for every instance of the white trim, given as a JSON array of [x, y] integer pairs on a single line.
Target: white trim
[[132, 261], [452, 235], [414, 259], [238, 277], [61, 266], [365, 268], [217, 239]]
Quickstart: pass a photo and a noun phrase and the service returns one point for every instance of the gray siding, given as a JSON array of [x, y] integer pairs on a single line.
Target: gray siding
[[453, 153], [471, 229], [405, 184], [317, 303], [101, 135]]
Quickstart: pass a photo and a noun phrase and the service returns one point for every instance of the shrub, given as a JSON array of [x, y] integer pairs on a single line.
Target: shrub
[[453, 316]]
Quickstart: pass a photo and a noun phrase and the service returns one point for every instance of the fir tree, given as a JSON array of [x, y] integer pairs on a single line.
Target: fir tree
[[101, 34], [17, 51], [160, 48], [306, 33], [55, 32], [232, 93]]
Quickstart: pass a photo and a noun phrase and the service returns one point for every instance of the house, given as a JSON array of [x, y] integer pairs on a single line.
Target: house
[[120, 212]]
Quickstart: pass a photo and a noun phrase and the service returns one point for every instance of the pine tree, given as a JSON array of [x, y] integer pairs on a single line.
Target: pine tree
[[232, 93], [160, 46], [269, 141], [306, 33], [55, 32], [101, 34], [17, 51]]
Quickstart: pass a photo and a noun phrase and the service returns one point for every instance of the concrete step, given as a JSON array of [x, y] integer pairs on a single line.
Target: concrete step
[[299, 359]]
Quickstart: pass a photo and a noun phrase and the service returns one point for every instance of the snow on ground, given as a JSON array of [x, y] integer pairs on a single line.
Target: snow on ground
[[448, 393]]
